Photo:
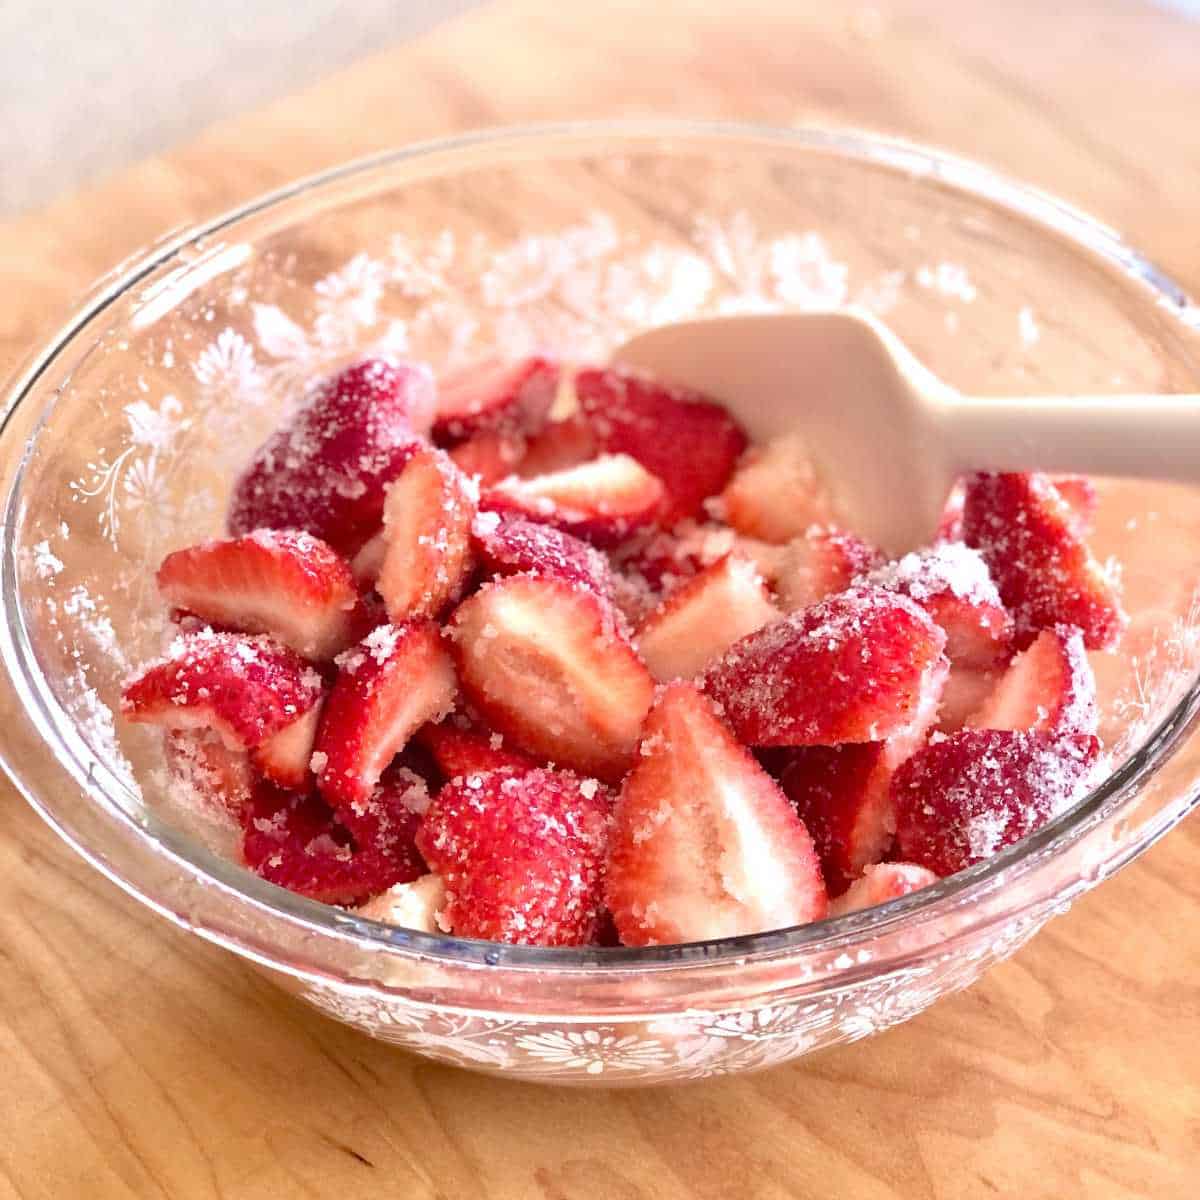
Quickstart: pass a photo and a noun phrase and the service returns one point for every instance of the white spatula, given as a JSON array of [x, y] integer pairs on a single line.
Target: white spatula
[[889, 435]]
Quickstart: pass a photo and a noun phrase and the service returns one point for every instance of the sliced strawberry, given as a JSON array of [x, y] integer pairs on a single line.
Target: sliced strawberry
[[821, 561], [683, 438], [776, 493], [704, 843], [854, 668], [282, 582], [325, 470], [1048, 687], [967, 688], [965, 796], [385, 822], [842, 793], [1046, 576], [602, 501], [560, 445], [511, 398], [416, 905], [367, 563], [217, 777], [243, 688], [510, 545], [545, 663], [881, 883], [950, 527], [951, 583], [521, 856], [489, 456], [390, 684], [699, 621], [427, 527], [1081, 495], [284, 757], [294, 840], [462, 751]]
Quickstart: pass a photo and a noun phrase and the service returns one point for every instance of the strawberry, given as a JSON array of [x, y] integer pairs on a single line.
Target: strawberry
[[416, 905], [294, 840], [325, 470], [704, 844], [856, 667], [385, 822], [217, 777], [1049, 686], [546, 665], [284, 757], [699, 621], [282, 582], [510, 545], [967, 688], [510, 398], [1028, 535], [462, 751], [842, 793], [427, 530], [821, 561], [951, 583], [879, 884], [489, 456], [521, 856], [397, 678], [965, 796], [243, 688], [366, 564], [689, 442], [950, 527], [560, 445], [1083, 499], [602, 501], [776, 493]]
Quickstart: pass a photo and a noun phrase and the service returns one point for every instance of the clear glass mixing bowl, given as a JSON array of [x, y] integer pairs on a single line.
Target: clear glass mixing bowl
[[122, 435]]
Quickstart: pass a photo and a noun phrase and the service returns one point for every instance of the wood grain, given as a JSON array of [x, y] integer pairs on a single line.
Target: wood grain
[[141, 1063]]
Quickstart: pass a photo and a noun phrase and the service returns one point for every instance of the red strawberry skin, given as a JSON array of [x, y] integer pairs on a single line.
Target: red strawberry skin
[[522, 856], [854, 668], [1046, 576], [458, 751], [282, 582], [244, 688], [510, 545], [390, 684], [691, 443], [507, 398], [704, 843], [325, 471], [965, 796]]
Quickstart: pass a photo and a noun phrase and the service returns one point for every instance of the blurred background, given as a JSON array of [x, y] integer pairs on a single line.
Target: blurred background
[[86, 87]]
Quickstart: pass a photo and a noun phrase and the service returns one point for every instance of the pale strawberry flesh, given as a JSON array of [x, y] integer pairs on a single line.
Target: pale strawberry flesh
[[821, 561], [880, 884], [496, 397]]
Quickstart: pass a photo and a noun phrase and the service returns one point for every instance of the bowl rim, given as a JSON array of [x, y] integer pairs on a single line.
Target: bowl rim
[[962, 175]]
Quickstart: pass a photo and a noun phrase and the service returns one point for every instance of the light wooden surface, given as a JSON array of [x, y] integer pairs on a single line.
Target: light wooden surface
[[140, 1063]]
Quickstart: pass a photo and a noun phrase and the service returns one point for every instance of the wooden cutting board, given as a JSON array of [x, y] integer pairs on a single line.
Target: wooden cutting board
[[140, 1062]]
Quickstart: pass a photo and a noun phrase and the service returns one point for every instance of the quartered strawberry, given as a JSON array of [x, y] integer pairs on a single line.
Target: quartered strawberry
[[881, 883], [366, 564], [510, 545], [427, 534], [391, 683], [704, 844], [521, 856], [842, 793], [951, 582], [385, 823], [497, 397], [685, 439], [856, 667], [294, 840], [1082, 497], [284, 757], [776, 493], [965, 796], [459, 750], [325, 470], [699, 621], [243, 688], [1048, 687], [820, 561], [966, 690], [561, 444], [1046, 575], [416, 905], [220, 778], [602, 501], [282, 582], [546, 665], [489, 456]]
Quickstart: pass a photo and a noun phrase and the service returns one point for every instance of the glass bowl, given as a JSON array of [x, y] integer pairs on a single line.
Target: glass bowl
[[122, 435]]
